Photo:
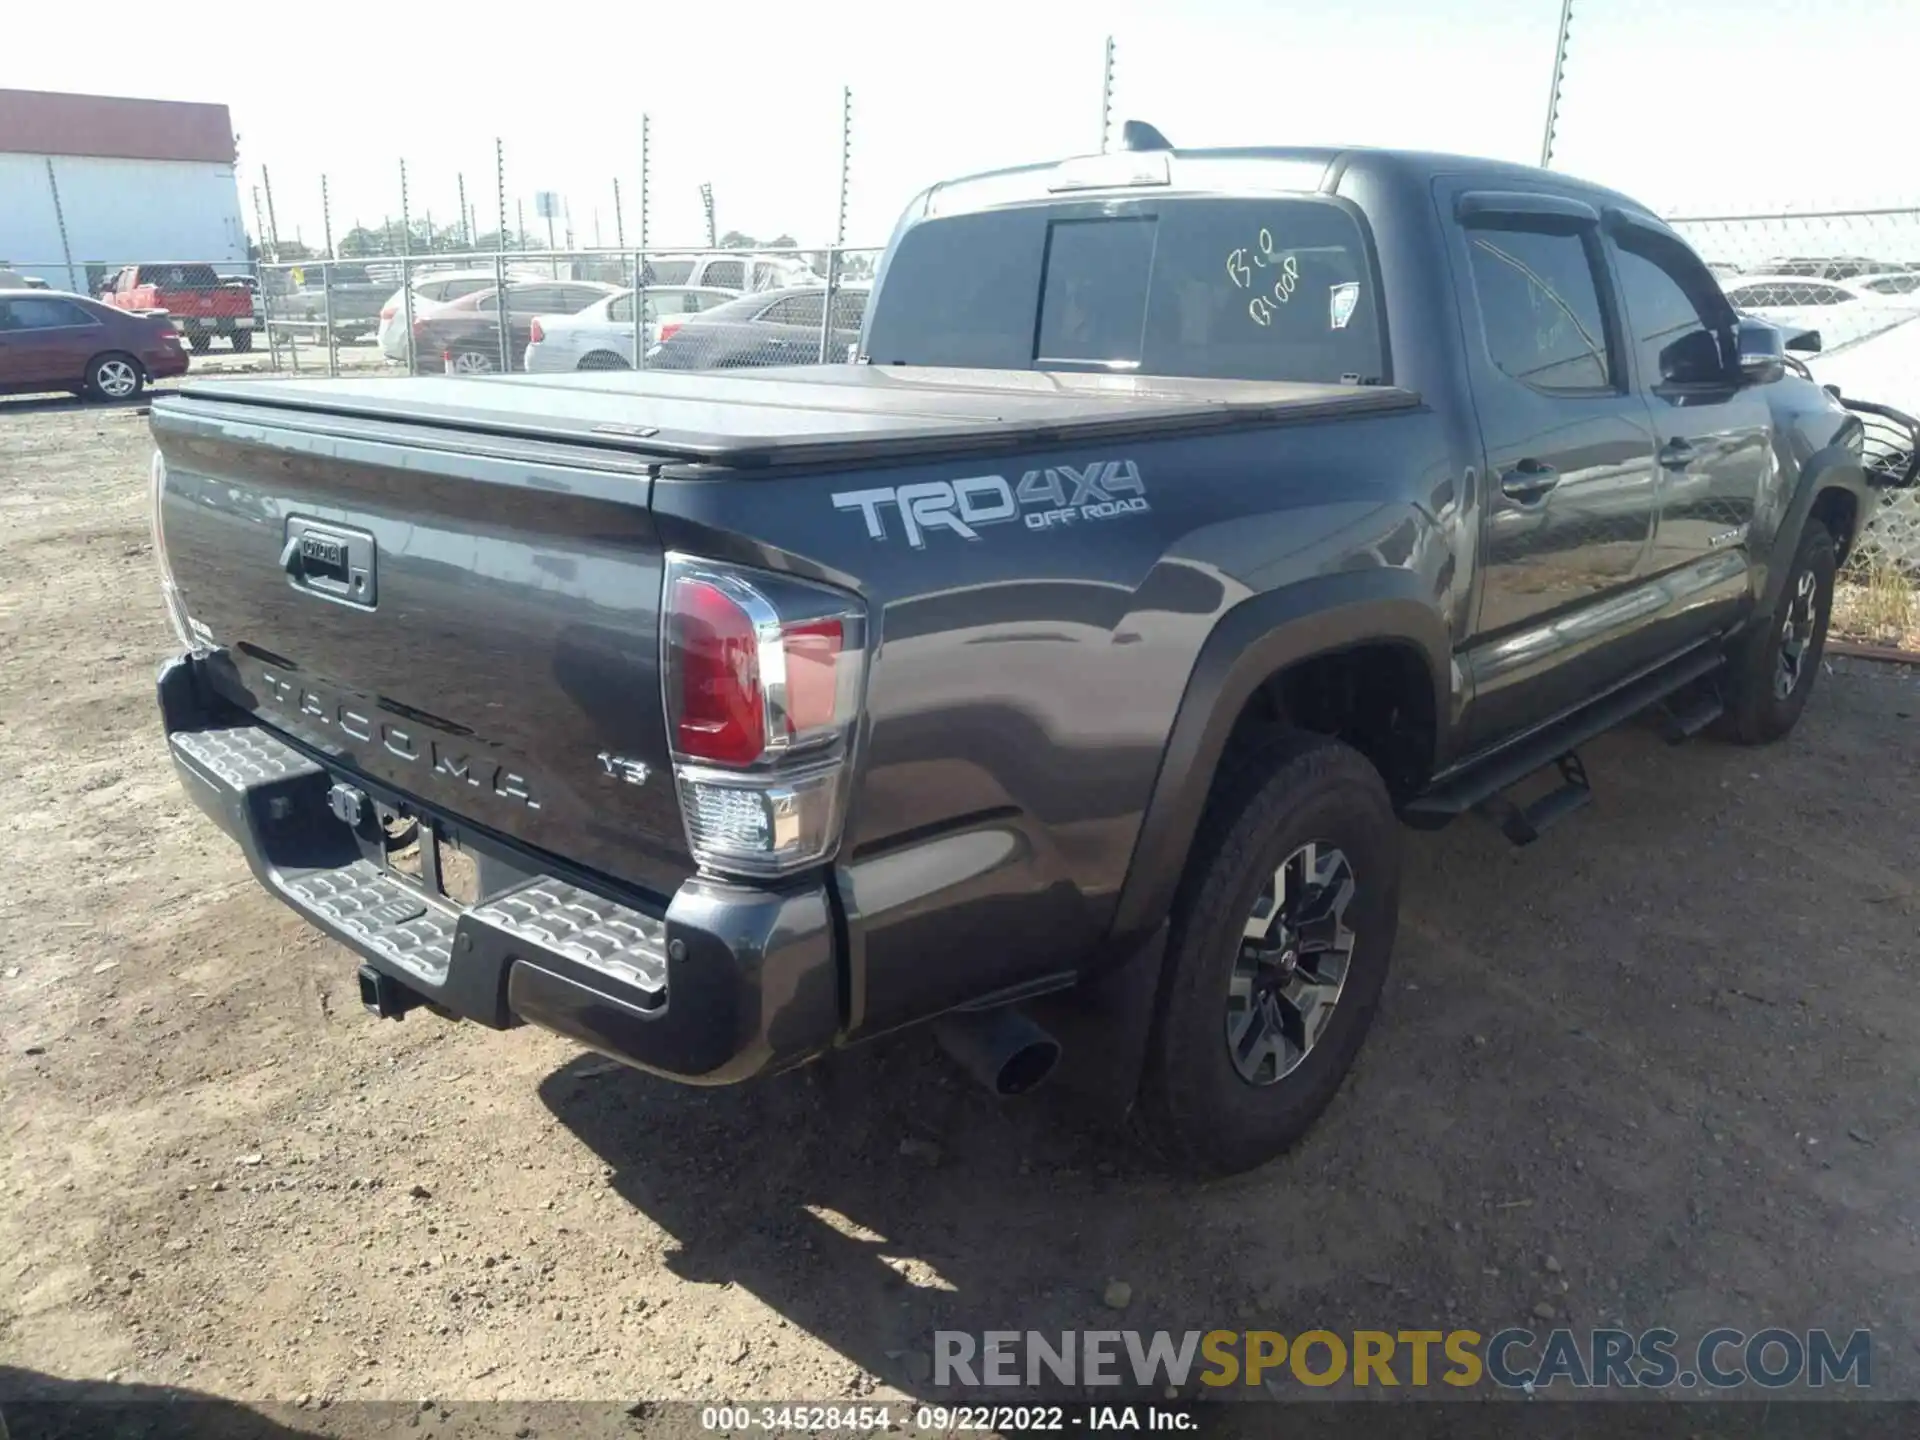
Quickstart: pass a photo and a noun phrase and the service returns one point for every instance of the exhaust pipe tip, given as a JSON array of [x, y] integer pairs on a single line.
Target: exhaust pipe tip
[[1002, 1049]]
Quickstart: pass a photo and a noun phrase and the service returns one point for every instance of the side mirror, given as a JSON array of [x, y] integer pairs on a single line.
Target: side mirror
[[1694, 359], [1763, 351], [1804, 342]]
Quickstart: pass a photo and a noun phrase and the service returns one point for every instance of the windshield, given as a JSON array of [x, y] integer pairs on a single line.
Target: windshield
[[1271, 289]]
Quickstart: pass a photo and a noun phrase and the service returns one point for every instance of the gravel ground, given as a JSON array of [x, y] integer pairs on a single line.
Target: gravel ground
[[1657, 1069]]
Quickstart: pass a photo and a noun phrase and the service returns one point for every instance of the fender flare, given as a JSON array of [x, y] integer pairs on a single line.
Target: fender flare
[[1832, 468], [1253, 641]]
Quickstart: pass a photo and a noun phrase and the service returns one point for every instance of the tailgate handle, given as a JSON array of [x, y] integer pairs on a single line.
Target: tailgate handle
[[330, 561]]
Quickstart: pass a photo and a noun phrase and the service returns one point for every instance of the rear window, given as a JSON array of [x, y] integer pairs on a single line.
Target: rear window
[[1274, 289], [668, 272], [180, 277]]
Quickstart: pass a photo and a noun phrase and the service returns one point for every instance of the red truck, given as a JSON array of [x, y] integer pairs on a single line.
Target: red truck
[[200, 303]]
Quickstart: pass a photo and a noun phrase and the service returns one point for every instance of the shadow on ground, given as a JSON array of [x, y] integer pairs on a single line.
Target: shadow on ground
[[1572, 1110]]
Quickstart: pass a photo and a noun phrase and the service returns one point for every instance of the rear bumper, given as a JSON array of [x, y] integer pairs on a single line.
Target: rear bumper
[[722, 983]]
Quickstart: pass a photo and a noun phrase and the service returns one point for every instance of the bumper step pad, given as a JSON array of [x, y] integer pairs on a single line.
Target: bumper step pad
[[544, 920], [399, 922], [566, 920]]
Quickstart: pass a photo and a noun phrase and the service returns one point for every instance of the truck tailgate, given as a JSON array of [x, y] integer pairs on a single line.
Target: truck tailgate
[[470, 622]]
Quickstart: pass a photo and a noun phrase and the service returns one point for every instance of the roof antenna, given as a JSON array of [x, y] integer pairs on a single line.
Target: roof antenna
[[1138, 135]]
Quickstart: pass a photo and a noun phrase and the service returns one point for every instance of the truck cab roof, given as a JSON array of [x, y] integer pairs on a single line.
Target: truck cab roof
[[1248, 169]]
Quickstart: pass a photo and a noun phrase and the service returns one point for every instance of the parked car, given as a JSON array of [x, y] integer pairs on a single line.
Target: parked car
[[14, 280], [431, 290], [1827, 267], [1883, 369], [1843, 311], [50, 340], [463, 336], [736, 270], [1058, 677], [342, 291], [600, 337], [201, 305], [776, 327]]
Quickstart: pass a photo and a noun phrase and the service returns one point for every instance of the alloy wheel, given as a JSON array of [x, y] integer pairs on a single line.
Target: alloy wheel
[[1295, 951], [473, 362], [116, 378], [1796, 635]]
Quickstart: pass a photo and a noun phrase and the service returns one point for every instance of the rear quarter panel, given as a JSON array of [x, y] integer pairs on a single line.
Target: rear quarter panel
[[1026, 680]]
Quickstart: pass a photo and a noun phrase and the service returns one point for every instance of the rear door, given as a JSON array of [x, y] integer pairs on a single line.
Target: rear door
[[1570, 493]]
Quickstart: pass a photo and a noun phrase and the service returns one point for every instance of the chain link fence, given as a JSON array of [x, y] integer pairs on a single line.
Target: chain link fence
[[558, 310], [1853, 276]]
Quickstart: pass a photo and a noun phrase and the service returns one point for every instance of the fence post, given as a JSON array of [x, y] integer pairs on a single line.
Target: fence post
[[826, 303], [406, 271], [466, 236], [646, 136], [500, 185], [1106, 98], [326, 287], [840, 228], [1553, 91], [640, 290], [273, 225], [501, 311], [619, 220]]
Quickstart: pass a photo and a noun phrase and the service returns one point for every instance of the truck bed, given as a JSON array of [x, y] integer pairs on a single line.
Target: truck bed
[[813, 414]]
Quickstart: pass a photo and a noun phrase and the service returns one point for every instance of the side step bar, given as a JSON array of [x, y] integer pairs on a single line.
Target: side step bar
[[1477, 784]]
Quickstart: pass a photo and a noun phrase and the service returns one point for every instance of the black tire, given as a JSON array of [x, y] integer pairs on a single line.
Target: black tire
[[1289, 789], [602, 360], [114, 376], [242, 340], [199, 341], [1762, 703]]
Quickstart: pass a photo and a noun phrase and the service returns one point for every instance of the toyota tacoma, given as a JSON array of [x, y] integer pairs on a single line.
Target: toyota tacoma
[[1059, 674]]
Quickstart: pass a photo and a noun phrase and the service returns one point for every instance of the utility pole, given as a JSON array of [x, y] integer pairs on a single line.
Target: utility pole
[[706, 200]]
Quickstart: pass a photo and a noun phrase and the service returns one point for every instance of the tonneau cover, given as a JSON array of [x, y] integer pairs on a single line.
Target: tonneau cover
[[744, 418]]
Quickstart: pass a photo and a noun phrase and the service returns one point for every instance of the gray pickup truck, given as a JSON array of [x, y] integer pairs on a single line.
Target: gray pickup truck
[[1060, 675], [345, 294]]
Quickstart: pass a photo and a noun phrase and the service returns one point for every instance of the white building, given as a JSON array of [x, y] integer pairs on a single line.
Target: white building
[[89, 183]]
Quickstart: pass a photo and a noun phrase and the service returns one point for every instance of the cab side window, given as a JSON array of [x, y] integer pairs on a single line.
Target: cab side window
[[1670, 298], [1540, 307]]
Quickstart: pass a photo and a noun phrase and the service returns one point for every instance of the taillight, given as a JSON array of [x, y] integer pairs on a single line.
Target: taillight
[[387, 313], [536, 334], [764, 677], [668, 329]]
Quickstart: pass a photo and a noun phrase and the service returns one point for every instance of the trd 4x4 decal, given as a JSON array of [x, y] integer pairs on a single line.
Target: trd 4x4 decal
[[1043, 500]]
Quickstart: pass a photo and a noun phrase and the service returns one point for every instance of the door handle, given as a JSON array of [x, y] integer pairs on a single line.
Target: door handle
[[1529, 481], [1677, 454]]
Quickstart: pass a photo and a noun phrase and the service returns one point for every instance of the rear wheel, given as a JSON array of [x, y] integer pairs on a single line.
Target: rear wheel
[[1772, 668], [242, 340], [472, 362], [114, 376], [1280, 939], [602, 360]]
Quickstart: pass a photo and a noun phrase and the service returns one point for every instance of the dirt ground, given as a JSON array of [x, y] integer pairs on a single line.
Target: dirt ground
[[1659, 1068]]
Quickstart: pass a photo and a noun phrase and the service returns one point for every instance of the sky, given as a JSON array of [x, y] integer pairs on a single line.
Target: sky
[[1693, 106]]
